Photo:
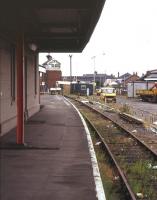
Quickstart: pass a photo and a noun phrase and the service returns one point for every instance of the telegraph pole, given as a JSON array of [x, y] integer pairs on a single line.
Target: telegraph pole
[[70, 56], [94, 72]]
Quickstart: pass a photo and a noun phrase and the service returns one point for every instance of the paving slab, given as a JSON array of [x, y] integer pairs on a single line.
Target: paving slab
[[55, 164]]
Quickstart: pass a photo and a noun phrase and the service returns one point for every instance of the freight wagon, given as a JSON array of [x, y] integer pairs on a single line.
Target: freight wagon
[[82, 88]]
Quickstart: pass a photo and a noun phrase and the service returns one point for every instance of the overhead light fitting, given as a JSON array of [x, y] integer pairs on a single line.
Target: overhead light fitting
[[33, 46]]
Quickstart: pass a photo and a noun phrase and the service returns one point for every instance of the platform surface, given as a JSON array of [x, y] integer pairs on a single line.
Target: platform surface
[[55, 163]]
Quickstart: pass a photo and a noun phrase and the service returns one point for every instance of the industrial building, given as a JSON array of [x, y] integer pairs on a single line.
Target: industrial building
[[146, 82], [89, 78]]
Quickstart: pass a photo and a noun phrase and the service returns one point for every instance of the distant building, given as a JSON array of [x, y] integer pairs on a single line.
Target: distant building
[[53, 72], [121, 79], [89, 78], [42, 77], [136, 85], [150, 76], [131, 78], [51, 64], [147, 81], [52, 76], [109, 82], [124, 76], [124, 79]]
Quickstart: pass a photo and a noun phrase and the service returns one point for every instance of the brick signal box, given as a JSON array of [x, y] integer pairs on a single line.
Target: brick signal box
[[53, 72], [52, 76]]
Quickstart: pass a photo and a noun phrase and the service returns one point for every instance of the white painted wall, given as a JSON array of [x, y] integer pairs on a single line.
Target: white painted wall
[[7, 106], [32, 97]]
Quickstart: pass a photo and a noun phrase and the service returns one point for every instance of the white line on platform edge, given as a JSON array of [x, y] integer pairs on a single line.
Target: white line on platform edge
[[97, 178], [65, 101]]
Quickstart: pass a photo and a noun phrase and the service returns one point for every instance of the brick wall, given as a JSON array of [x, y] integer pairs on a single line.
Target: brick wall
[[52, 76]]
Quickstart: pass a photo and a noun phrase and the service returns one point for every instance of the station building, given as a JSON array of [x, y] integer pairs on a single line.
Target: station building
[[27, 28], [8, 85]]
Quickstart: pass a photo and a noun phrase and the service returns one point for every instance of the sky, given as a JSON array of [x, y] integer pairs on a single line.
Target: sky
[[124, 40]]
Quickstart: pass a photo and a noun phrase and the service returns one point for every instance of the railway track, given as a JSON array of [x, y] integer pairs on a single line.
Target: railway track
[[136, 162]]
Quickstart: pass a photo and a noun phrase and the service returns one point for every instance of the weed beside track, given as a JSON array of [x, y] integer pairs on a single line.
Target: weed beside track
[[137, 163]]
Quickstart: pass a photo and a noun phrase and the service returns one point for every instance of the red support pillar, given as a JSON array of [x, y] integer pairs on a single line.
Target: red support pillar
[[20, 76]]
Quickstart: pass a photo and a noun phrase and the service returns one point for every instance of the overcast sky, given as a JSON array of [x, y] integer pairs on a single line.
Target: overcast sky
[[124, 40]]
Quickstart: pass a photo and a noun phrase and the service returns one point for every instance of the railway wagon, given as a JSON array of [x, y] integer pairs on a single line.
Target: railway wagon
[[82, 88]]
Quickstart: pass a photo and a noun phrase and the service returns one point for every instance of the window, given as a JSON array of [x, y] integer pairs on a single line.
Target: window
[[83, 87], [108, 90]]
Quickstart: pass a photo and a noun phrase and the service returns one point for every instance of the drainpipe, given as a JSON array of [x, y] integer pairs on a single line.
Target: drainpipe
[[20, 77]]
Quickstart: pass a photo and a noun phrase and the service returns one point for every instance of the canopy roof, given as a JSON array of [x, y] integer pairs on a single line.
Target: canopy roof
[[53, 25]]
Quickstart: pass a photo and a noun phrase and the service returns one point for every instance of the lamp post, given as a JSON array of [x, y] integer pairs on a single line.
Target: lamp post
[[105, 69], [93, 58], [70, 56]]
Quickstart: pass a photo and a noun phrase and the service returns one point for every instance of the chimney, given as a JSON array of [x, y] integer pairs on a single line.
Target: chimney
[[49, 57]]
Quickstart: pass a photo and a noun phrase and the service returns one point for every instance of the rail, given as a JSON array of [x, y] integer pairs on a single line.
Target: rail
[[109, 116]]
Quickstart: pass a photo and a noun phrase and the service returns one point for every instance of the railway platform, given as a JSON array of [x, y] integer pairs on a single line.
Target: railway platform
[[55, 162]]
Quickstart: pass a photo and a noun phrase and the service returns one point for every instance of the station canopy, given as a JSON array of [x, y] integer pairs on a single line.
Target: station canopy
[[53, 25]]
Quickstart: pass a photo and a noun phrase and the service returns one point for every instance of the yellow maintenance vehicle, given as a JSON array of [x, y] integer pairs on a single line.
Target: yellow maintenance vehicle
[[108, 94], [149, 95], [98, 91]]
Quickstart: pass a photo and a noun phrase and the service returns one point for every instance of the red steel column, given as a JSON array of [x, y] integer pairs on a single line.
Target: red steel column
[[20, 76]]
